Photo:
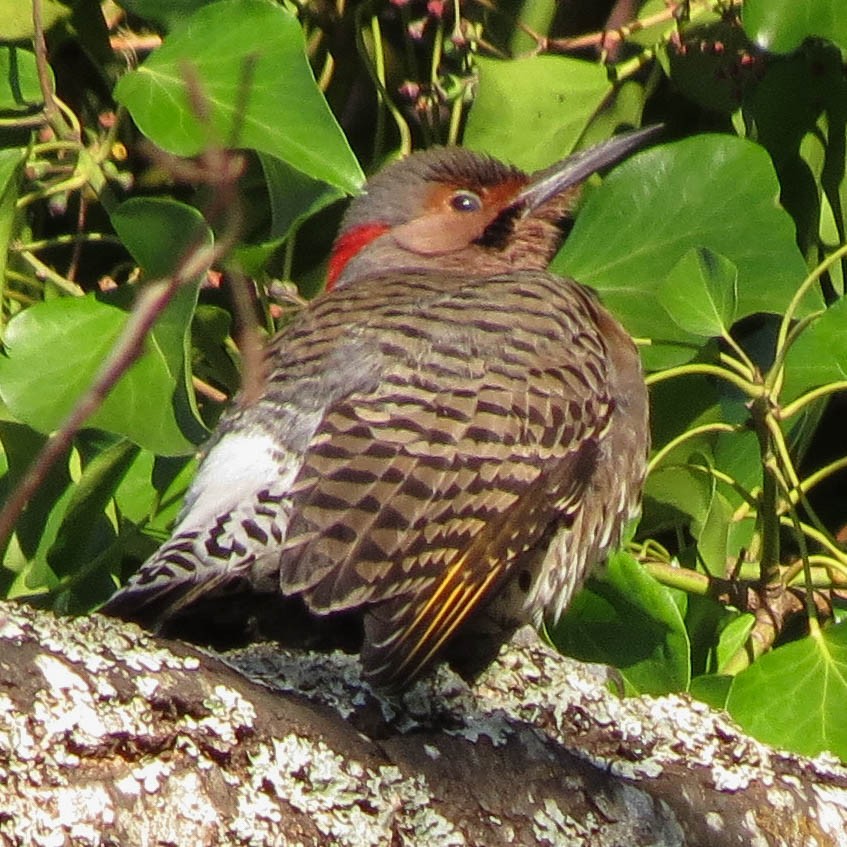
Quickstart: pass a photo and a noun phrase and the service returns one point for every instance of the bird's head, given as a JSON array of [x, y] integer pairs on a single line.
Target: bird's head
[[454, 210]]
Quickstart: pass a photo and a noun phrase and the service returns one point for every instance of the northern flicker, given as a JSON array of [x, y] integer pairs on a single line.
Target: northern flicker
[[447, 440]]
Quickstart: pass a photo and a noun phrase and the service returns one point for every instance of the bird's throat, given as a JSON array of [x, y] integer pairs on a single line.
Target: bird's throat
[[347, 246]]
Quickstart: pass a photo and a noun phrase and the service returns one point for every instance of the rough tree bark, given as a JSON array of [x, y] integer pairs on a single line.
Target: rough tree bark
[[111, 737]]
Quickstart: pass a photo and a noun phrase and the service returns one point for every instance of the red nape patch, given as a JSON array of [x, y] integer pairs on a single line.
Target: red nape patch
[[347, 246]]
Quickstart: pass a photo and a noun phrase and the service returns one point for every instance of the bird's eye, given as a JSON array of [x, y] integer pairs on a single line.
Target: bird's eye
[[465, 201]]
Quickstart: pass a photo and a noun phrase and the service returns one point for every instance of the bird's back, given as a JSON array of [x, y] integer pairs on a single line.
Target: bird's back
[[422, 445]]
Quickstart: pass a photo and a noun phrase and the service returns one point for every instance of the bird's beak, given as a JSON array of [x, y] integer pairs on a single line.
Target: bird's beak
[[548, 183]]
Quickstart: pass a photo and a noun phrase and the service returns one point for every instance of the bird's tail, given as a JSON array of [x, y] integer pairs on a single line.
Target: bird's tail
[[225, 604], [176, 585]]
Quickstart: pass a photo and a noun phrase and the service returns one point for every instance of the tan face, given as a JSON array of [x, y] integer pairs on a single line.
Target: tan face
[[454, 217]]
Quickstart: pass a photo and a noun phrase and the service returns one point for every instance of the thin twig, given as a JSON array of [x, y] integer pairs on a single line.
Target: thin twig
[[216, 168], [208, 391], [52, 112], [43, 271], [152, 301], [76, 251]]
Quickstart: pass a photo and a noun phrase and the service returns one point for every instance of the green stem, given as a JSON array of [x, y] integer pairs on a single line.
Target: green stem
[[742, 365], [808, 594], [288, 255], [58, 146], [377, 69], [822, 568], [650, 550], [725, 478], [804, 400], [43, 271], [782, 343], [748, 387], [660, 455], [28, 122], [74, 238], [821, 474], [327, 71], [819, 537], [782, 452], [105, 146], [437, 53], [456, 113], [65, 186], [768, 512], [684, 579], [792, 486]]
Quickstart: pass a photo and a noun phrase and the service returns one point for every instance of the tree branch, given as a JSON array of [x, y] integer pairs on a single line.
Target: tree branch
[[109, 736]]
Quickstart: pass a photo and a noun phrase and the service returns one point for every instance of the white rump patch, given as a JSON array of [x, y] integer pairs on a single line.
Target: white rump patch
[[235, 470]]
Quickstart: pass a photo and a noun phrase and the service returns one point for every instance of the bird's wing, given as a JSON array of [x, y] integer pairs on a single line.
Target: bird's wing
[[417, 492], [415, 438]]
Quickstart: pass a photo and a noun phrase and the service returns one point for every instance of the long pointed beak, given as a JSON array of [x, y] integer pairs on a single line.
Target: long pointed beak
[[545, 184]]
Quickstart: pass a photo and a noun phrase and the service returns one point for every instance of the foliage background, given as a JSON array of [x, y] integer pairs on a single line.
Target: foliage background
[[721, 249]]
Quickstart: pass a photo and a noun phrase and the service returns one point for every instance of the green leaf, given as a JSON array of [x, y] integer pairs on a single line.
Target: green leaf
[[782, 25], [294, 196], [794, 696], [77, 541], [709, 191], [672, 491], [711, 688], [654, 27], [255, 86], [535, 16], [628, 620], [701, 293], [712, 533], [19, 90], [733, 637], [150, 498], [25, 559], [11, 168], [55, 349], [676, 406], [738, 454], [819, 355], [797, 110], [211, 360], [17, 17], [623, 107], [159, 231], [166, 12], [550, 100], [41, 381], [707, 77]]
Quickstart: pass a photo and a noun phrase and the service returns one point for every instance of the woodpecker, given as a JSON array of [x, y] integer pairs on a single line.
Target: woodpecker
[[446, 442]]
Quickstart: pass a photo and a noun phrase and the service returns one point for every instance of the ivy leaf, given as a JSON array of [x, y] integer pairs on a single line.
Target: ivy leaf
[[11, 167], [650, 212], [551, 98], [701, 293], [733, 637], [17, 17], [819, 355], [55, 349], [629, 620], [806, 685], [19, 88], [783, 25], [249, 61]]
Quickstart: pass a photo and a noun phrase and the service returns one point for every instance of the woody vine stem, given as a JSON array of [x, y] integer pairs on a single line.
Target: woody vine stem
[[782, 491]]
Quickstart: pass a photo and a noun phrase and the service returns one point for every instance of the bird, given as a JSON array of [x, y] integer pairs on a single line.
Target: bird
[[446, 443]]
